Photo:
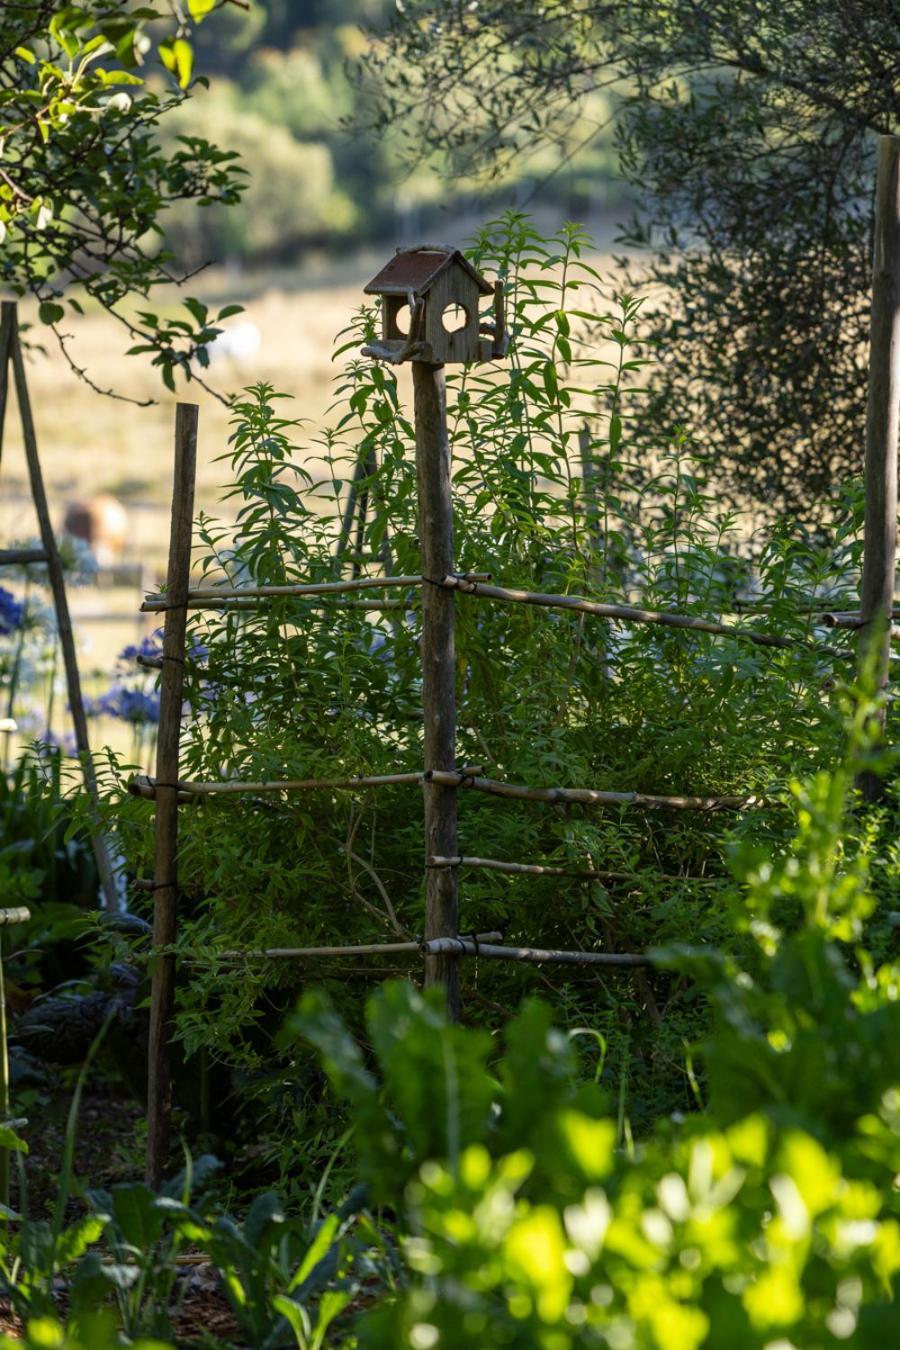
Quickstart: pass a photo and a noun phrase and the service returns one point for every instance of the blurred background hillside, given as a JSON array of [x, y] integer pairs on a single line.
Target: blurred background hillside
[[281, 94]]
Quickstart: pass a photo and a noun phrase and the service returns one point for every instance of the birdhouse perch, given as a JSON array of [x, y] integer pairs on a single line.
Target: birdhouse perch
[[436, 292]]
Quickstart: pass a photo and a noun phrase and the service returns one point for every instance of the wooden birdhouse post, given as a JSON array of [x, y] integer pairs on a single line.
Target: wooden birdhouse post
[[438, 292]]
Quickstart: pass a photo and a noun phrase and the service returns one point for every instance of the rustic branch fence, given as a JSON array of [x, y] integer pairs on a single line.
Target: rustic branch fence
[[439, 779]]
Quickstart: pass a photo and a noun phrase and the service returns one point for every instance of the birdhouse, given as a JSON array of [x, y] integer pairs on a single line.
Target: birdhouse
[[430, 298]]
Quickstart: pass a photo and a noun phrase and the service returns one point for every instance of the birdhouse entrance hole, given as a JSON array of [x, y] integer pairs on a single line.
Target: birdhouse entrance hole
[[454, 318]]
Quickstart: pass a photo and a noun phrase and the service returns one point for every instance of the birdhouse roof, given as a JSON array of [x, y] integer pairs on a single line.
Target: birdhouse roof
[[417, 270]]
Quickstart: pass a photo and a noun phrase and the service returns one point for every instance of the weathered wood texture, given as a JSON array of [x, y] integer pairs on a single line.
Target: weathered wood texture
[[14, 557], [453, 287], [10, 325], [203, 597], [536, 955], [882, 421], [588, 796], [631, 614], [575, 874], [165, 875], [7, 326], [359, 949], [438, 667]]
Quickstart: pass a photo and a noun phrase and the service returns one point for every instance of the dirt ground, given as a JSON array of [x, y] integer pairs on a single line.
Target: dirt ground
[[107, 1151]]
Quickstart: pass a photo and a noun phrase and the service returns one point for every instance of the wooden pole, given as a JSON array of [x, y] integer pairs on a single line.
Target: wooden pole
[[343, 540], [144, 786], [4, 1085], [472, 947], [12, 557], [198, 596], [438, 668], [882, 421], [588, 796], [304, 953], [551, 870], [9, 321], [590, 494], [165, 874], [469, 585], [362, 510]]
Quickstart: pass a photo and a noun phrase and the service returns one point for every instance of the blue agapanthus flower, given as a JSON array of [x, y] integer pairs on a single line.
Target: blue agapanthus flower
[[12, 612], [139, 706]]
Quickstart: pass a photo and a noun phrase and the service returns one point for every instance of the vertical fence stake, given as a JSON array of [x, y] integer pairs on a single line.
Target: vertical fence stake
[[438, 667], [7, 323], [165, 874], [10, 326], [883, 417]]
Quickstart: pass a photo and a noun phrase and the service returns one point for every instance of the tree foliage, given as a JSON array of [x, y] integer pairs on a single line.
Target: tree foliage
[[85, 183], [748, 129]]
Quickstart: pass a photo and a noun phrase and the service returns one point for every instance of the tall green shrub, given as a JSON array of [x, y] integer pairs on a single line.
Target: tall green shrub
[[304, 689]]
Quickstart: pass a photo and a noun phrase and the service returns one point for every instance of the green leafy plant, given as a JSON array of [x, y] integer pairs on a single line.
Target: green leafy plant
[[769, 1215], [86, 183]]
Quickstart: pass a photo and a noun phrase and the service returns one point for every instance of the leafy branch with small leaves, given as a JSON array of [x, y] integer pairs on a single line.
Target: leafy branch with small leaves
[[85, 183]]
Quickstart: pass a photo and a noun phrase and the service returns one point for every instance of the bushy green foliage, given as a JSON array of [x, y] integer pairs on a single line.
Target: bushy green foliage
[[85, 180], [303, 689], [527, 1222], [286, 1280], [504, 1205]]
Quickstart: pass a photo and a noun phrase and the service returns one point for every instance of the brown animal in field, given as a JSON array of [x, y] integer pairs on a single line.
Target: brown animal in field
[[102, 522]]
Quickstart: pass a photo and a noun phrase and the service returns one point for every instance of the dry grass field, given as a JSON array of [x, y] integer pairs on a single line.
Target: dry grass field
[[90, 443]]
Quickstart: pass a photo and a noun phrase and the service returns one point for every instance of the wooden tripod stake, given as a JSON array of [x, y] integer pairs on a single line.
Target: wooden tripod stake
[[165, 872], [880, 556], [438, 667], [11, 357]]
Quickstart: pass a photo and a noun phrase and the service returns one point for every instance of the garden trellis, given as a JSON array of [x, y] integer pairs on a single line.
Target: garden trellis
[[440, 779]]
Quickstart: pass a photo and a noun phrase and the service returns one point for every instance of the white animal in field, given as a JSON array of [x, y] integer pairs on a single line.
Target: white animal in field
[[102, 523], [239, 343]]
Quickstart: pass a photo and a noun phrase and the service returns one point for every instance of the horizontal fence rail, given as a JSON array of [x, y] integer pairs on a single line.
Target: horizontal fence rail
[[589, 796], [142, 785], [631, 614], [199, 596], [11, 557], [576, 874], [358, 949], [450, 946]]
